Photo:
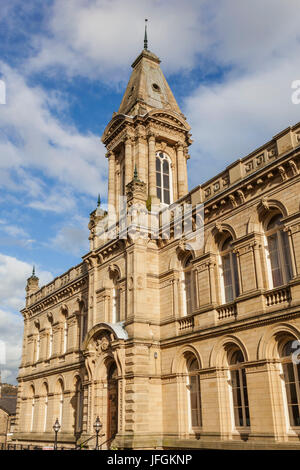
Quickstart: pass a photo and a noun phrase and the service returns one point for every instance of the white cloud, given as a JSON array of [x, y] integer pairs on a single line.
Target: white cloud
[[98, 38], [231, 119], [13, 275], [11, 334], [32, 138]]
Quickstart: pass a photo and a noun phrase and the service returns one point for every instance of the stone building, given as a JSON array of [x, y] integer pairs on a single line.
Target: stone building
[[8, 402], [173, 344]]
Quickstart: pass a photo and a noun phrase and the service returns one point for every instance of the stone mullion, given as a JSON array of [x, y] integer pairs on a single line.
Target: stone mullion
[[212, 282], [257, 264], [295, 270]]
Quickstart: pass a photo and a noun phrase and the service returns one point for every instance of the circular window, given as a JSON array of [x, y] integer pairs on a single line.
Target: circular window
[[155, 87]]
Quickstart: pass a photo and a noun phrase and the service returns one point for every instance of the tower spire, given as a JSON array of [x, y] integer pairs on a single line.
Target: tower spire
[[146, 37]]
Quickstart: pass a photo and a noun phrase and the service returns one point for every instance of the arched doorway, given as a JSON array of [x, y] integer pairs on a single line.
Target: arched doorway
[[112, 401]]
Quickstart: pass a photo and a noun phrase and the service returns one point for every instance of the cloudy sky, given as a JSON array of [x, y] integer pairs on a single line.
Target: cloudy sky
[[65, 64]]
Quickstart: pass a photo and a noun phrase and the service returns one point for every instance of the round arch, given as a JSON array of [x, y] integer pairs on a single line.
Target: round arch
[[268, 343], [179, 361], [218, 356]]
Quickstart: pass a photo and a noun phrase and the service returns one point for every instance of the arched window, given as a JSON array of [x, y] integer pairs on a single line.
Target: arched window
[[278, 252], [291, 374], [193, 388], [83, 326], [163, 178], [239, 389], [116, 304], [45, 406], [37, 346], [50, 341], [229, 270], [79, 406], [32, 407], [60, 402], [188, 287], [65, 345]]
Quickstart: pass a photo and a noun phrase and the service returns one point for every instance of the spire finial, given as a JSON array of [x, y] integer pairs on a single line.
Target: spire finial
[[33, 271], [99, 201], [135, 174], [145, 37]]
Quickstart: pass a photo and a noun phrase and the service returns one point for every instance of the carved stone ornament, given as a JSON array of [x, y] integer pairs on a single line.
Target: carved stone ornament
[[102, 344]]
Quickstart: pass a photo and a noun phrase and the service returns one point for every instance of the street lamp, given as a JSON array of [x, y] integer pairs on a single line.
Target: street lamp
[[97, 427], [56, 428]]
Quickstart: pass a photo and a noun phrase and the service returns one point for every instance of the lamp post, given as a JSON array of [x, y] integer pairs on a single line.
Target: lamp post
[[56, 428], [97, 427]]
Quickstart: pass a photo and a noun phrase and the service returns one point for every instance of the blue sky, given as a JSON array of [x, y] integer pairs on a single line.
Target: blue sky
[[66, 64]]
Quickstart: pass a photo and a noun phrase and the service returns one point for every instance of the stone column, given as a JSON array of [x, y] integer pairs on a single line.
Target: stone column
[[128, 161], [141, 160], [151, 166], [257, 263], [212, 282], [111, 179], [181, 172]]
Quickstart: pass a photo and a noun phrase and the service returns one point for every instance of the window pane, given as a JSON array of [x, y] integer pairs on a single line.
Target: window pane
[[275, 221], [158, 164], [295, 415], [166, 181], [158, 190], [158, 180], [166, 167], [227, 278], [274, 259], [167, 196], [288, 372], [287, 255]]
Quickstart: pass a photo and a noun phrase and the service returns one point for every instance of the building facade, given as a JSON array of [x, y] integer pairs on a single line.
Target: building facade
[[181, 335]]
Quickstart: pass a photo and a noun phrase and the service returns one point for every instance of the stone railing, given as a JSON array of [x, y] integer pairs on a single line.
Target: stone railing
[[227, 311], [280, 144], [58, 282], [186, 323], [278, 296]]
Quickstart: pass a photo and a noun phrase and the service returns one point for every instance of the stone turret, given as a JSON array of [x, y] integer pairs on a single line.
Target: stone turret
[[32, 285]]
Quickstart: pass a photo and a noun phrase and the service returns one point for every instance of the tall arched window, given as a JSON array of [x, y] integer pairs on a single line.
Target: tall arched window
[[229, 270], [193, 388], [45, 405], [188, 287], [32, 393], [37, 346], [65, 345], [83, 326], [163, 178], [79, 406], [239, 388], [291, 374], [116, 304], [278, 252], [60, 402], [115, 275], [50, 341]]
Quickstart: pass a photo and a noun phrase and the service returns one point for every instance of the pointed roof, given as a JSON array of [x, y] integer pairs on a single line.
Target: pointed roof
[[147, 88]]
